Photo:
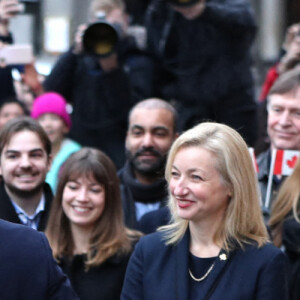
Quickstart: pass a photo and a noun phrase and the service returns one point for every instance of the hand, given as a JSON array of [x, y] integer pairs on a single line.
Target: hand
[[292, 56], [109, 63], [8, 9], [78, 47], [32, 79], [291, 33]]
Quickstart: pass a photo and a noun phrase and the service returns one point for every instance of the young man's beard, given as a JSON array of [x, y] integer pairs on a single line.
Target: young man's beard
[[25, 194], [147, 167]]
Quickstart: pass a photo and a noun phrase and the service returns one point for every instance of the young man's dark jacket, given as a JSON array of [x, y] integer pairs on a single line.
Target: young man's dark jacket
[[8, 213]]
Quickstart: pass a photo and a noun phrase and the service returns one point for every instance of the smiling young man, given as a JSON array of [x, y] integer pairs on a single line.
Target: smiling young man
[[24, 162], [151, 132], [283, 126]]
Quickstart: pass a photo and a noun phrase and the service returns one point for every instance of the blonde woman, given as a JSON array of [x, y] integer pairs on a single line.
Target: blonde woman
[[216, 246], [285, 225]]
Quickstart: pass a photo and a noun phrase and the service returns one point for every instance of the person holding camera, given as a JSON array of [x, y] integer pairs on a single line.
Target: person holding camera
[[203, 47], [102, 79]]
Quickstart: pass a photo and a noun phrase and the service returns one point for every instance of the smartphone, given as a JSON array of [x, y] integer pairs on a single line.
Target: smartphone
[[16, 54]]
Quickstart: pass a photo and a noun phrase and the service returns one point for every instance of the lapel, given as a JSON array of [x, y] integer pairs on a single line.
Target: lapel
[[182, 265], [45, 214], [213, 278], [182, 275], [7, 211]]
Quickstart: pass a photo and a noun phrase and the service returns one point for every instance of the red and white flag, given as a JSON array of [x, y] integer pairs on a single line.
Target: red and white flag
[[285, 162]]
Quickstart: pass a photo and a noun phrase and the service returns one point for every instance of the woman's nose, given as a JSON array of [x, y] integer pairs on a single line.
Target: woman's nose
[[180, 188], [82, 194]]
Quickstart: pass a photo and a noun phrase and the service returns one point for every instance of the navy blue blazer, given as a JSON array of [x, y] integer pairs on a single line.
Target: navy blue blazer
[[160, 272], [28, 270]]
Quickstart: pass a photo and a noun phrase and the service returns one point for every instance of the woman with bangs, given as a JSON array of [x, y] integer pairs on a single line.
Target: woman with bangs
[[86, 229], [216, 246]]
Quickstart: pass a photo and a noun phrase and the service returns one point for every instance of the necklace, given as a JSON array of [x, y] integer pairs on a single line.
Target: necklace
[[204, 276], [222, 256]]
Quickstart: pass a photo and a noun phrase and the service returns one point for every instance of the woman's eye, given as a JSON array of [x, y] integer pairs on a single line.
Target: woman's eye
[[72, 187], [96, 191], [196, 177], [174, 174]]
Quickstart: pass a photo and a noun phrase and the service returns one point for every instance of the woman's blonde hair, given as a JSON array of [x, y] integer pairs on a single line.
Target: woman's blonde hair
[[109, 235], [286, 201], [243, 220]]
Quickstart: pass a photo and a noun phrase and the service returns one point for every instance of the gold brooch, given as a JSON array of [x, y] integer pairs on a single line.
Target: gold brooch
[[223, 256]]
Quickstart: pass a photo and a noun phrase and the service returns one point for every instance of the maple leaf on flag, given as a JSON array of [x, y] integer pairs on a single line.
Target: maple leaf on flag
[[285, 162]]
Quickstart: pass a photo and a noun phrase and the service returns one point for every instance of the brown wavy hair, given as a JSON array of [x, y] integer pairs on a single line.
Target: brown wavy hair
[[109, 236], [287, 200]]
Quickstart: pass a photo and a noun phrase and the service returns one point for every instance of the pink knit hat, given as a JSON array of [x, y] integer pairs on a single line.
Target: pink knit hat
[[51, 103]]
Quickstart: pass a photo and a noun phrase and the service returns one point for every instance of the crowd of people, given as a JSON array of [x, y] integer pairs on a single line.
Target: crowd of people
[[128, 174]]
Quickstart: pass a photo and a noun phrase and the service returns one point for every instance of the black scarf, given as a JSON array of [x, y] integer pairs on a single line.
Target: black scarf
[[146, 193]]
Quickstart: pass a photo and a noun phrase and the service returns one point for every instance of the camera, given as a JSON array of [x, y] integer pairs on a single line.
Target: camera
[[101, 38]]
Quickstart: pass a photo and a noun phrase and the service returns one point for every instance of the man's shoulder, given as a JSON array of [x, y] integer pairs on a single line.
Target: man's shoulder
[[125, 174], [8, 227], [19, 242], [121, 172], [18, 234], [153, 219], [262, 157], [24, 252]]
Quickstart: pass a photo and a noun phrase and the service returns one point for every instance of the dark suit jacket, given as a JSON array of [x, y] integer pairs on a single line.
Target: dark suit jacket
[[8, 213], [28, 270], [160, 272]]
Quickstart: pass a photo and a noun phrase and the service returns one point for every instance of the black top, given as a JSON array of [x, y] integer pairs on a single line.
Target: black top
[[103, 282], [199, 267]]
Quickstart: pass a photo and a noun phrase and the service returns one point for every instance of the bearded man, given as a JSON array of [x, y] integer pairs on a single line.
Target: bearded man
[[151, 132]]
